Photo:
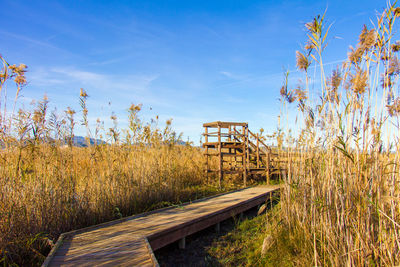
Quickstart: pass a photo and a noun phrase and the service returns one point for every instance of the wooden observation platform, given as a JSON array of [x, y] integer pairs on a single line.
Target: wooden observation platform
[[239, 151]]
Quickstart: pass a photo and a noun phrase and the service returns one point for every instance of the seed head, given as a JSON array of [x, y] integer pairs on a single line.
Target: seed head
[[83, 93], [134, 107], [396, 12], [367, 38], [394, 66], [396, 46], [300, 94], [283, 91], [335, 79], [20, 80], [302, 61], [394, 109], [359, 82], [355, 55], [70, 111]]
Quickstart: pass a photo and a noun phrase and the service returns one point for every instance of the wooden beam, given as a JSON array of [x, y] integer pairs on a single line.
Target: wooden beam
[[248, 154], [244, 158], [258, 152], [268, 166], [224, 124], [220, 157], [206, 152]]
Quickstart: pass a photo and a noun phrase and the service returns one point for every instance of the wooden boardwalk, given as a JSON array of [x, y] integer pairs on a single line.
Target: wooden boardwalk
[[130, 241]]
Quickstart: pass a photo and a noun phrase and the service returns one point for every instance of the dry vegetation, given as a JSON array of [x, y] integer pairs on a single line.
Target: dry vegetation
[[340, 203], [49, 186]]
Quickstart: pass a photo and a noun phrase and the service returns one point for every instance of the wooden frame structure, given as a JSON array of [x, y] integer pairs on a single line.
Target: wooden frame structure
[[239, 151]]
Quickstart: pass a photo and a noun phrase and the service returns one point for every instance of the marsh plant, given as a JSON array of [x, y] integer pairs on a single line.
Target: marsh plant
[[49, 185], [341, 198]]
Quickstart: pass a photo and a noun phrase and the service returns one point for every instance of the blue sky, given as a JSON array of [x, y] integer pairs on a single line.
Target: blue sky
[[193, 61]]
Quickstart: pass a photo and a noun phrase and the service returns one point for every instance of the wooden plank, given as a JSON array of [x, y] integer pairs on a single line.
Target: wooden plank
[[224, 144], [224, 124], [215, 134]]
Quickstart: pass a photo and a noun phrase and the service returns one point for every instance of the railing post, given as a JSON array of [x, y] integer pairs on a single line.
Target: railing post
[[268, 164], [220, 156], [206, 142], [247, 153], [244, 155], [258, 152], [235, 150]]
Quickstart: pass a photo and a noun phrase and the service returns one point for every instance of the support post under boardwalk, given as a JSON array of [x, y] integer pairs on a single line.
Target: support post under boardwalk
[[182, 243], [217, 227]]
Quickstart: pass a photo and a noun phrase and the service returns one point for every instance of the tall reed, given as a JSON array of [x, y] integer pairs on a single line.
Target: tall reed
[[341, 200]]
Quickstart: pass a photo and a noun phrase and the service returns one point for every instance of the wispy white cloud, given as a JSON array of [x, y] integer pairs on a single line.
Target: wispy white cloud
[[268, 78], [230, 75], [107, 62], [33, 41], [92, 80]]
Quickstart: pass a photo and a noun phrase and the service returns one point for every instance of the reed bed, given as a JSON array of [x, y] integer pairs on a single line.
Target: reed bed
[[49, 185], [340, 204]]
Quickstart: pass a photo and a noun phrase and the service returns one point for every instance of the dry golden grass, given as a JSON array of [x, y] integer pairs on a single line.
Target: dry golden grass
[[49, 186], [59, 189]]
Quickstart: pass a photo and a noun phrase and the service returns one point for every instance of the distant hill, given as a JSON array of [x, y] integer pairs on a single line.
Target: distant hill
[[80, 141]]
